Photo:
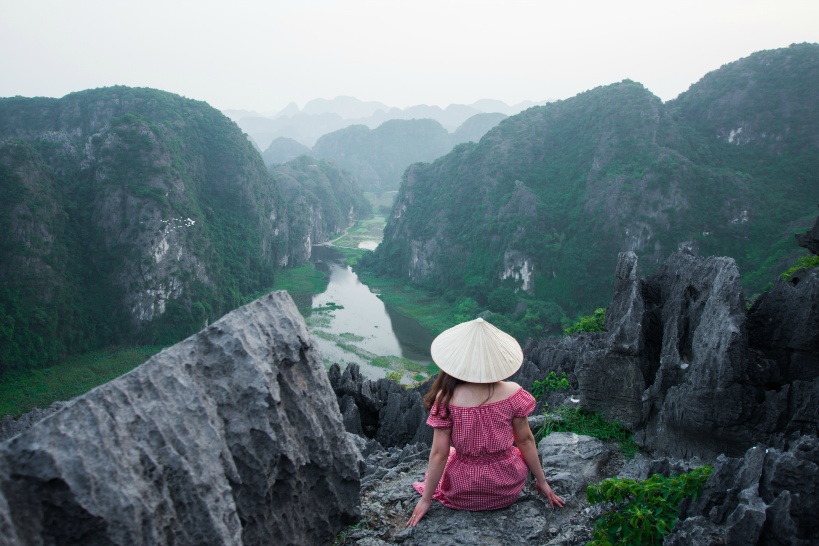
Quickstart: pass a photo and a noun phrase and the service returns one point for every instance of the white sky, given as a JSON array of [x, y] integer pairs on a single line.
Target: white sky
[[260, 55]]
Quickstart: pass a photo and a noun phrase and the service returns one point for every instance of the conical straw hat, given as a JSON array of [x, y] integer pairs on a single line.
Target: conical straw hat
[[477, 352]]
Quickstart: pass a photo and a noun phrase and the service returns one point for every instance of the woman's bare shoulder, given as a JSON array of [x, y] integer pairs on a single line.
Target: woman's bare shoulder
[[510, 386]]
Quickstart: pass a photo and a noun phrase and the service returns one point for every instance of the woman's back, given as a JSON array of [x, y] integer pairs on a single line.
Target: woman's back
[[475, 394], [485, 430]]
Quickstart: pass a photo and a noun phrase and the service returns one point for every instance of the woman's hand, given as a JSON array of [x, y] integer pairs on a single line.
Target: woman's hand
[[420, 511], [545, 490]]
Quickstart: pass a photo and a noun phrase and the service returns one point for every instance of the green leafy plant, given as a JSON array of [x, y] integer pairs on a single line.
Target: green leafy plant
[[395, 376], [803, 262], [593, 323], [590, 423], [551, 383], [645, 511], [342, 537]]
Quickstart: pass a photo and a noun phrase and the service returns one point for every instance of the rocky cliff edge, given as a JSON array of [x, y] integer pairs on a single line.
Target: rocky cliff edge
[[232, 436]]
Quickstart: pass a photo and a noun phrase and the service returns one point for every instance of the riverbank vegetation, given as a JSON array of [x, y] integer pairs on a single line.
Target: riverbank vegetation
[[23, 390], [26, 389]]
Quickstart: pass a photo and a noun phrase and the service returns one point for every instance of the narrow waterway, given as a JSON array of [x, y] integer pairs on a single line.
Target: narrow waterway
[[352, 325]]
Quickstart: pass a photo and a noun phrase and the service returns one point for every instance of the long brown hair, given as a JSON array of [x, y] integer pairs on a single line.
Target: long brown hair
[[440, 393]]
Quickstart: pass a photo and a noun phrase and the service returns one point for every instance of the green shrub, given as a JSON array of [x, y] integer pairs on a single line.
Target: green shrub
[[550, 383], [593, 323], [645, 511]]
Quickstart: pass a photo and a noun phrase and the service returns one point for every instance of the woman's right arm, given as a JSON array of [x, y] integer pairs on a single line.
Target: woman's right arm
[[437, 461], [525, 441]]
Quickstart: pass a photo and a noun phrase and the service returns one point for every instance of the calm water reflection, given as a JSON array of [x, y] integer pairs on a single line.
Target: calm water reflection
[[364, 327]]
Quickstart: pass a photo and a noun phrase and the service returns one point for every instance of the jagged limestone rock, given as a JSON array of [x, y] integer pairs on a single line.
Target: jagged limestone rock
[[232, 436], [382, 409], [699, 399], [768, 496], [686, 367], [625, 314], [783, 324], [810, 239]]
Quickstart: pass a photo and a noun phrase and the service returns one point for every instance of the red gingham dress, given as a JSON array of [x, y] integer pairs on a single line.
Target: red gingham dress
[[484, 470]]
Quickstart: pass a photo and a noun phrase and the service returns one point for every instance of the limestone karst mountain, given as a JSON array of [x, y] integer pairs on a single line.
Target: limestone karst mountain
[[134, 215], [282, 150], [548, 198], [322, 199], [379, 157]]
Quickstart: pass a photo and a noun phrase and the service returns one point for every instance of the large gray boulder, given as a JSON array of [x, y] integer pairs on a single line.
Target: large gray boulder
[[572, 461], [232, 436]]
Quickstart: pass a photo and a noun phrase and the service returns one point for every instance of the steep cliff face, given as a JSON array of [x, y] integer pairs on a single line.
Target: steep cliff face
[[567, 186], [168, 213]]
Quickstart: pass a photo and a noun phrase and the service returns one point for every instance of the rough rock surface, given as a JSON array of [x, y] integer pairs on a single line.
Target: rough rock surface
[[810, 239], [11, 426], [686, 367], [232, 436], [769, 496], [382, 410], [571, 461], [388, 500]]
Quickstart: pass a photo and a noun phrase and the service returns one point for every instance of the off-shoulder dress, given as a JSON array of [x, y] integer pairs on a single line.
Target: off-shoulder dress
[[484, 470]]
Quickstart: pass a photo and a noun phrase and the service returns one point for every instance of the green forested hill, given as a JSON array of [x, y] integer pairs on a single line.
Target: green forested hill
[[377, 157], [322, 199], [282, 150], [546, 200], [129, 215]]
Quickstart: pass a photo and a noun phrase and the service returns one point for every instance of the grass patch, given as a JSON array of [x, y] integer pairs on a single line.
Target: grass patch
[[589, 423], [352, 255], [431, 311], [23, 391], [329, 307], [302, 280], [318, 320], [343, 344], [399, 363]]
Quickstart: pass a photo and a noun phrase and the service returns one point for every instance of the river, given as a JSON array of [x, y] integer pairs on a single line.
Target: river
[[352, 325]]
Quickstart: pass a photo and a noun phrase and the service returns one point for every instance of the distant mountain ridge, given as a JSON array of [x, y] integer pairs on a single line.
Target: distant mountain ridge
[[546, 200], [378, 157], [322, 116]]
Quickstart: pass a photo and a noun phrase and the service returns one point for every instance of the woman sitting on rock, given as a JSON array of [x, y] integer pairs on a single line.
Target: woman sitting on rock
[[481, 415]]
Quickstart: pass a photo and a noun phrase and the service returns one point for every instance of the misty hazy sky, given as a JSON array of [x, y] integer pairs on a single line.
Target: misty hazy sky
[[260, 55]]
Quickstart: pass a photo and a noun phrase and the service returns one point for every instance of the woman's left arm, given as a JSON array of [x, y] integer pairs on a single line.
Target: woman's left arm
[[525, 441]]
